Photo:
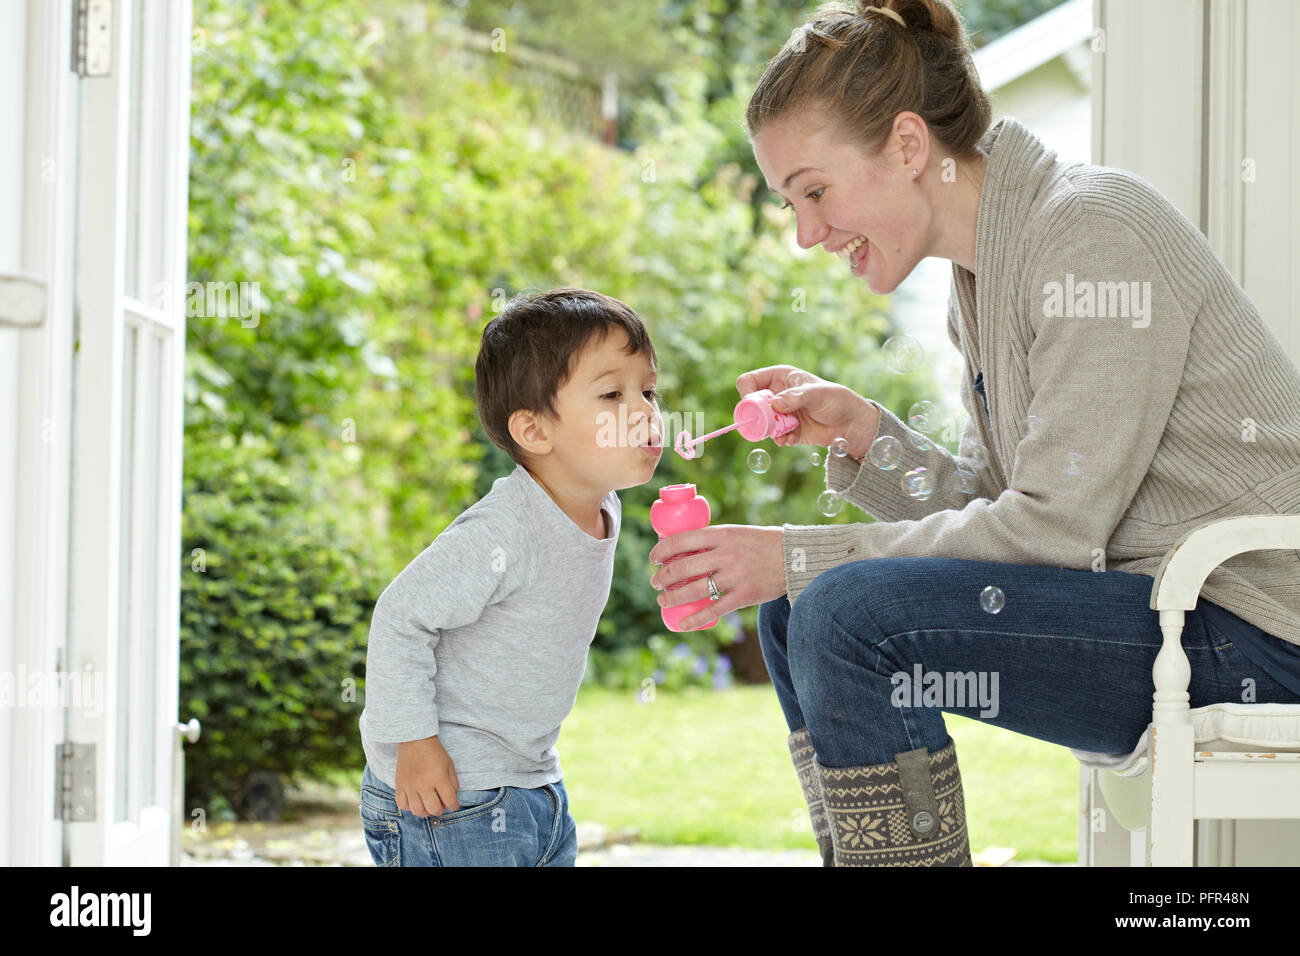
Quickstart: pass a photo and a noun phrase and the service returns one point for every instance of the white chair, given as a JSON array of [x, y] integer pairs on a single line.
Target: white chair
[[1210, 786]]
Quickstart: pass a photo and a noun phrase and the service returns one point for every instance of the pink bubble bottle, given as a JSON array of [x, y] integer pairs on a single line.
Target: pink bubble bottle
[[678, 509], [755, 419]]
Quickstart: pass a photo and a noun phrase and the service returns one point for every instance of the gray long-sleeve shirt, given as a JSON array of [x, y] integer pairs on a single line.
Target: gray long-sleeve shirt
[[1110, 432], [482, 639]]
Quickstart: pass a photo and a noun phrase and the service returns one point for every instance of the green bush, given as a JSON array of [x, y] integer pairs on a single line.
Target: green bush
[[274, 618]]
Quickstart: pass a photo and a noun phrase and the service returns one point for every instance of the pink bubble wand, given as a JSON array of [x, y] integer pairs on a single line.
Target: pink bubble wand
[[755, 419]]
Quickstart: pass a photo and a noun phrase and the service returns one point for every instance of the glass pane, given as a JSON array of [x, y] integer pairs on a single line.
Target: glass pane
[[134, 195], [163, 96], [151, 390], [122, 761]]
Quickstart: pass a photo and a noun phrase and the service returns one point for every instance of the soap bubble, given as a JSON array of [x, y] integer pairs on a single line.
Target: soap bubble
[[839, 447], [1035, 423], [886, 452], [918, 483], [970, 482], [902, 354], [797, 377], [759, 461], [921, 416], [1072, 467], [920, 442], [974, 452], [830, 504], [816, 459], [992, 599]]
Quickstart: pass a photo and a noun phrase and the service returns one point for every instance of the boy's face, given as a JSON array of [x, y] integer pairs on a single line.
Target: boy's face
[[608, 412]]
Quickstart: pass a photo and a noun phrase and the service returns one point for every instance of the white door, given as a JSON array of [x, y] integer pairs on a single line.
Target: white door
[[127, 424]]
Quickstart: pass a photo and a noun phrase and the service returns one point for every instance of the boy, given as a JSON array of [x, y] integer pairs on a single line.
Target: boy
[[477, 648]]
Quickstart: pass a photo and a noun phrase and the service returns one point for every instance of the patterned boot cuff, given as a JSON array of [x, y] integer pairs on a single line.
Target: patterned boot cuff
[[805, 765], [908, 812]]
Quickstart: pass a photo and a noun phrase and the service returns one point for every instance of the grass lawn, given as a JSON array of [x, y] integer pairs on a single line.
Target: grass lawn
[[712, 767]]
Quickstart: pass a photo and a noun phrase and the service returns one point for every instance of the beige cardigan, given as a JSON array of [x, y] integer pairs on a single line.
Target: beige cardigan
[[1099, 308]]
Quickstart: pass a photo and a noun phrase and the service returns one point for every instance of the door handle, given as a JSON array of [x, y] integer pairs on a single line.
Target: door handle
[[190, 731]]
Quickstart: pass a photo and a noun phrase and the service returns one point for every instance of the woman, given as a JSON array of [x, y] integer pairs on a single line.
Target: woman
[[1116, 361]]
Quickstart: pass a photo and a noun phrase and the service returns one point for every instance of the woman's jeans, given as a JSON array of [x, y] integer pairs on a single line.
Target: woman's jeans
[[874, 650], [508, 826]]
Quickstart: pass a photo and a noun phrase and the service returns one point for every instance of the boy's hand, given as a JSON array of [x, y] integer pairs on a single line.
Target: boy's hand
[[426, 778]]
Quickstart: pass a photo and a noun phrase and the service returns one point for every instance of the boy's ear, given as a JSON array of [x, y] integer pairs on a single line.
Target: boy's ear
[[530, 431]]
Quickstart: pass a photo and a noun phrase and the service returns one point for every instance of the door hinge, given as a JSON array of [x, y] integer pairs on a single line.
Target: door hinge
[[74, 782], [92, 37]]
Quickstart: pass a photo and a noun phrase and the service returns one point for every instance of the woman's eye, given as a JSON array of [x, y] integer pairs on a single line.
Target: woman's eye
[[815, 194], [787, 205]]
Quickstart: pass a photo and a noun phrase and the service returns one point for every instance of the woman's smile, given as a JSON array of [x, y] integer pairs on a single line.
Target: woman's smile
[[858, 258]]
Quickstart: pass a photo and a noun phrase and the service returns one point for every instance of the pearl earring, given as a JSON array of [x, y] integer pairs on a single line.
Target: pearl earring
[[914, 172]]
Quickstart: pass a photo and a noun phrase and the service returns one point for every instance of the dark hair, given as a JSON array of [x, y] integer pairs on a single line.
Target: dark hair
[[532, 347], [865, 68]]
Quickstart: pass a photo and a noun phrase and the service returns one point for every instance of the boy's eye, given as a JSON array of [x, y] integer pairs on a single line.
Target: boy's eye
[[652, 392]]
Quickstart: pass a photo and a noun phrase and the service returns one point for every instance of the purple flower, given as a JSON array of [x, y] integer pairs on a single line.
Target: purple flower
[[724, 663], [682, 650], [701, 665], [720, 680], [658, 675]]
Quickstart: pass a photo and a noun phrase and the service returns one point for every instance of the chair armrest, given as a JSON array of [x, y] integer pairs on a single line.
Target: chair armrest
[[1188, 563]]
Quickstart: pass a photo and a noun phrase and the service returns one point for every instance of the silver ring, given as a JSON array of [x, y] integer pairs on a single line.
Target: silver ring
[[713, 588]]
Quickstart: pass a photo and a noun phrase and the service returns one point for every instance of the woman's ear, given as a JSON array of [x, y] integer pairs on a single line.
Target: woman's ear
[[911, 138]]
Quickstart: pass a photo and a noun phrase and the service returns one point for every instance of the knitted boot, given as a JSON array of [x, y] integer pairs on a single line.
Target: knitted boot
[[801, 752], [908, 812]]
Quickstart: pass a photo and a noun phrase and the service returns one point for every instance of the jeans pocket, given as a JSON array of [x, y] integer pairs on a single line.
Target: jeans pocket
[[380, 818], [478, 803]]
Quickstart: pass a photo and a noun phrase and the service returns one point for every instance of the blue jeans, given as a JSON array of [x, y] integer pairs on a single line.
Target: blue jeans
[[1067, 659], [508, 826]]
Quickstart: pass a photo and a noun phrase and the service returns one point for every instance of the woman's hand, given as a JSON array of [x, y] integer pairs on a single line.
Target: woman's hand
[[747, 562], [826, 411]]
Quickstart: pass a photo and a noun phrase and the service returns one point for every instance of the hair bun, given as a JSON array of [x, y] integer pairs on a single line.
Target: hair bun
[[933, 16], [865, 8]]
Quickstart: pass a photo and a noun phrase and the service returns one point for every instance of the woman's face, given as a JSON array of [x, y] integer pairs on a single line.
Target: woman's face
[[846, 202]]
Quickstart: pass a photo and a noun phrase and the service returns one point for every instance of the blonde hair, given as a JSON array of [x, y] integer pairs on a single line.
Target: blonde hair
[[865, 68]]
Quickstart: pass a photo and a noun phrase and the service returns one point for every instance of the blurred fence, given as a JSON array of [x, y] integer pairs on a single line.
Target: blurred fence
[[562, 89]]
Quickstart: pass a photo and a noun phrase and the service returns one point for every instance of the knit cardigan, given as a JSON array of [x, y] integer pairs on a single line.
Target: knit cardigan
[[1133, 394]]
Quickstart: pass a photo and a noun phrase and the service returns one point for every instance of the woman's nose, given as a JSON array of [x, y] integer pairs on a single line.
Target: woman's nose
[[810, 232]]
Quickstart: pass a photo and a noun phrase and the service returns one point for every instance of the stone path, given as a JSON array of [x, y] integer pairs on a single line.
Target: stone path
[[327, 832]]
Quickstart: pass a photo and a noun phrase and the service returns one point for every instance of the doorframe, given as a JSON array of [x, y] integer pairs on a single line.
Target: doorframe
[[31, 835], [142, 648]]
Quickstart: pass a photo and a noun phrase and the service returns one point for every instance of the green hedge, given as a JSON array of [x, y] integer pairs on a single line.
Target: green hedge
[[274, 619]]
